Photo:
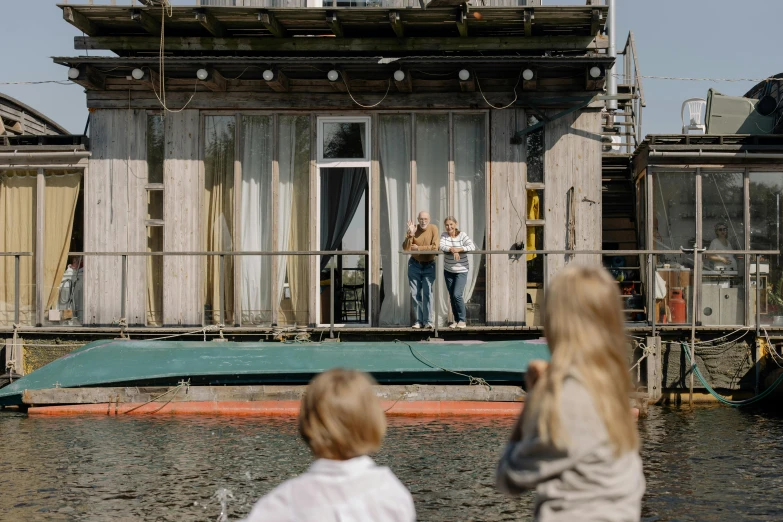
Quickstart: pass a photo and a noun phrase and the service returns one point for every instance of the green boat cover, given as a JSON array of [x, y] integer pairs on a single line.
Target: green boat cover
[[150, 363]]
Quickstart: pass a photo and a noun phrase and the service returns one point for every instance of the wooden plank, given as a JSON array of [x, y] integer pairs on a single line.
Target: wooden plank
[[468, 85], [462, 21], [279, 82], [529, 16], [40, 254], [271, 24], [343, 82], [90, 78], [147, 20], [508, 170], [210, 23], [133, 394], [79, 21], [406, 85], [654, 370], [326, 45], [597, 18], [182, 208], [215, 81], [334, 24], [396, 24]]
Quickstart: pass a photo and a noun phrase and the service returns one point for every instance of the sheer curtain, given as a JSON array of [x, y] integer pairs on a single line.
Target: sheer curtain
[[62, 193], [293, 217], [469, 185], [17, 234], [395, 162], [256, 212], [432, 180], [341, 192], [218, 217]]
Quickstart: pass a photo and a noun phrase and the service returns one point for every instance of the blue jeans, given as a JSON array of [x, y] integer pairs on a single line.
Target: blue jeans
[[421, 278], [455, 284]]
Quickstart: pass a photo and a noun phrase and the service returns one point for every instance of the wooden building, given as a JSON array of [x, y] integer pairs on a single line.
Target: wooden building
[[219, 135]]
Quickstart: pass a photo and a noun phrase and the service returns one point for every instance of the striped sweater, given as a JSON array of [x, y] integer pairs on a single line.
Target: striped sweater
[[461, 241]]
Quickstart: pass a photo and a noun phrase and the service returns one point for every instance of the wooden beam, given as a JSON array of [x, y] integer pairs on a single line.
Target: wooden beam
[[210, 23], [529, 16], [396, 23], [146, 21], [264, 44], [151, 79], [342, 84], [279, 83], [406, 85], [334, 24], [79, 21], [595, 26], [215, 81], [468, 85], [271, 24], [462, 20], [91, 78]]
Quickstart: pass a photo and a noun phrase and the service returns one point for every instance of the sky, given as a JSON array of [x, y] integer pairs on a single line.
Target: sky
[[678, 38]]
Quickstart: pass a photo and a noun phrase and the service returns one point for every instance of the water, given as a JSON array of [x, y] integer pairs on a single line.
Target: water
[[713, 463]]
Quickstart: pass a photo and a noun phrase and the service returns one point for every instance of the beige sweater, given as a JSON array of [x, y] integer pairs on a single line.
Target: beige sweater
[[426, 239], [586, 482]]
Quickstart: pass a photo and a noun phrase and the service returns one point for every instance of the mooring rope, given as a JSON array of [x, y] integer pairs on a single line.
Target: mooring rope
[[182, 384], [477, 381]]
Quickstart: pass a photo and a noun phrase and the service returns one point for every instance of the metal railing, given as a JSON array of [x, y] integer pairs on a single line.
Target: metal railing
[[633, 101]]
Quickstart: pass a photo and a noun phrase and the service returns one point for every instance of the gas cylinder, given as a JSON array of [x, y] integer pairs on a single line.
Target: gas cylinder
[[677, 306]]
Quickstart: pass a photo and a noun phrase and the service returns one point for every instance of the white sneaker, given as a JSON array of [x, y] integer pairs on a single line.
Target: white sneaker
[[429, 326], [416, 325], [461, 324], [453, 325]]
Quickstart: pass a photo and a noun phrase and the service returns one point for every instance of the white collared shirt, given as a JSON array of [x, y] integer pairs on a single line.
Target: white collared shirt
[[355, 490]]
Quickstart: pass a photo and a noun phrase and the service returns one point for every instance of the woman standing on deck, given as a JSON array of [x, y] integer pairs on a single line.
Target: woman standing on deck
[[576, 441], [455, 267]]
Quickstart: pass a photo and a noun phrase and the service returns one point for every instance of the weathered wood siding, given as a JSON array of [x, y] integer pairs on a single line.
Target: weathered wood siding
[[183, 191], [115, 210], [572, 158], [506, 298]]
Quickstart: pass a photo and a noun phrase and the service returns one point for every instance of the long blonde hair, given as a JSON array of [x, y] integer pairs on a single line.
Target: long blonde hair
[[583, 324]]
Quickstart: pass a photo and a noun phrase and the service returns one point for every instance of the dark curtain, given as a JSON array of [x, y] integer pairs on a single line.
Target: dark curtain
[[341, 193]]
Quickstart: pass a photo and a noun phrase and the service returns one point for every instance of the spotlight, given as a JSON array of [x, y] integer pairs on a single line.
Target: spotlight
[[268, 75], [73, 73], [595, 71], [527, 75], [202, 74], [399, 75], [333, 75], [137, 74], [464, 75]]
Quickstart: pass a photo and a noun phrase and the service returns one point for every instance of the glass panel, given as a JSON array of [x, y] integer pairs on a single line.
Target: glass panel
[[470, 205], [673, 291], [154, 204], [155, 148], [155, 277], [723, 228], [344, 140], [395, 162], [766, 189], [674, 215], [534, 145], [17, 234], [256, 218], [294, 220], [218, 219], [535, 262]]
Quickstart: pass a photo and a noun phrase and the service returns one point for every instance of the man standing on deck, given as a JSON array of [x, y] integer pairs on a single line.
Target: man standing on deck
[[421, 267]]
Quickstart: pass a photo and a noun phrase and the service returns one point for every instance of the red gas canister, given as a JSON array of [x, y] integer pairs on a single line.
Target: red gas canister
[[677, 306]]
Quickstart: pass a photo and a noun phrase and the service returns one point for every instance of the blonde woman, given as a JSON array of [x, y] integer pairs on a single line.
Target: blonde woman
[[342, 421], [576, 442], [455, 267]]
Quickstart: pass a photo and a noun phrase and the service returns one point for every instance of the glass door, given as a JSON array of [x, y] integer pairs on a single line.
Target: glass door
[[344, 219]]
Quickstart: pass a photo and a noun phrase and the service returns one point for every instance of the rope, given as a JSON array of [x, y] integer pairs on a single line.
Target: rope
[[477, 381], [646, 351], [182, 384], [403, 394], [722, 399], [388, 87], [505, 106]]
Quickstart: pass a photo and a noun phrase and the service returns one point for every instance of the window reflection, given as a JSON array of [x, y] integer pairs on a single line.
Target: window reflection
[[765, 213]]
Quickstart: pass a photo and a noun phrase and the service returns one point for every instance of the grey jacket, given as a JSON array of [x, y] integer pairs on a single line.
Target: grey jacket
[[585, 482]]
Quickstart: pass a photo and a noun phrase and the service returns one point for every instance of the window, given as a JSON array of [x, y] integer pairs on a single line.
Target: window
[[766, 192], [155, 217]]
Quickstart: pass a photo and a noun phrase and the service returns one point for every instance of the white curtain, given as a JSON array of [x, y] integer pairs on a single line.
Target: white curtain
[[285, 194], [395, 161], [432, 180], [469, 186], [256, 219]]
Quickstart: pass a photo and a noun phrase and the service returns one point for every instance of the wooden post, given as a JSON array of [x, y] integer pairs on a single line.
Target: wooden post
[[654, 370], [15, 353]]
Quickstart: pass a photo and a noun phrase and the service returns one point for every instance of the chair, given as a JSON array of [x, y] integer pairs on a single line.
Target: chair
[[695, 107], [352, 303]]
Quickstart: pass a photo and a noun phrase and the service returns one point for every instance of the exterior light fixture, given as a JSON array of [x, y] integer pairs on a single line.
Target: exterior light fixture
[[202, 74], [595, 71], [399, 75], [333, 75], [527, 75], [137, 74], [268, 75], [73, 73], [464, 75]]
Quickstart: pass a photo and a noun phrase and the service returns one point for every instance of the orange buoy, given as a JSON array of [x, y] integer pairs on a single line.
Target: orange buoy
[[477, 15]]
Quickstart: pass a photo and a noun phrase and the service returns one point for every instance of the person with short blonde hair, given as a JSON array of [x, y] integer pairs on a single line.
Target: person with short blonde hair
[[342, 421], [576, 441]]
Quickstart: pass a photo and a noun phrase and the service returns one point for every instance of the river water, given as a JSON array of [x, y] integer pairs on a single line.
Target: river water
[[710, 463]]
